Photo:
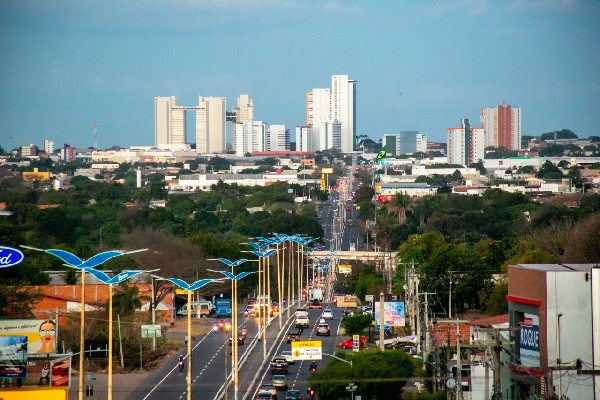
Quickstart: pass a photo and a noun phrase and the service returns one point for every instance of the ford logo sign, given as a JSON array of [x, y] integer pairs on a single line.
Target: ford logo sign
[[10, 256]]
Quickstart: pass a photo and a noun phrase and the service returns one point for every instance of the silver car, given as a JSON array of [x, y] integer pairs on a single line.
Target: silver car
[[323, 329], [327, 314]]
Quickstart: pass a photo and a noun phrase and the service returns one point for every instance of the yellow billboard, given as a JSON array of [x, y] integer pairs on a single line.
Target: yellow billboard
[[327, 170], [345, 268]]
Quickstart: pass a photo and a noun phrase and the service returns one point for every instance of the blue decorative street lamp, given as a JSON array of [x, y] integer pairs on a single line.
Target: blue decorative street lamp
[[190, 288], [262, 255], [234, 313], [73, 261], [104, 278]]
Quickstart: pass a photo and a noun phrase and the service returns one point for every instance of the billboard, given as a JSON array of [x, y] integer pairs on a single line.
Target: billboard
[[13, 356], [41, 333], [393, 313], [530, 341]]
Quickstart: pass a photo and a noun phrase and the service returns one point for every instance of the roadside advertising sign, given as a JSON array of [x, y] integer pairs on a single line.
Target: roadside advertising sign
[[393, 313], [530, 341]]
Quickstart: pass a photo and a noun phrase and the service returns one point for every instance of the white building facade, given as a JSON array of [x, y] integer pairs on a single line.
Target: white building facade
[[211, 129]]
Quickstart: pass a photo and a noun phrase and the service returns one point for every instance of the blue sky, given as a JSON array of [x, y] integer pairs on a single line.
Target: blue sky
[[420, 65]]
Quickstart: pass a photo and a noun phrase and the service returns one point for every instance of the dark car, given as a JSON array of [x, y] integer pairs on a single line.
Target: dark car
[[279, 365], [293, 395], [293, 336]]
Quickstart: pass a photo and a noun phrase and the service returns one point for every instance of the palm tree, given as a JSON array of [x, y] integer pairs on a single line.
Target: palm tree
[[399, 205], [126, 299]]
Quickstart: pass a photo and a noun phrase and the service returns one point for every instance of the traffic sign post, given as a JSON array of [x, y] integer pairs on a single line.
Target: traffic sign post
[[307, 350]]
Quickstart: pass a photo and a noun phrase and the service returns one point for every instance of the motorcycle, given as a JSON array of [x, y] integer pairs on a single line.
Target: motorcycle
[[180, 366], [313, 369], [215, 327]]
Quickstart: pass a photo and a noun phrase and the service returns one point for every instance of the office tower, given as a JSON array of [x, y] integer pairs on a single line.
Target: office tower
[[30, 150], [48, 146], [466, 145], [278, 138], [404, 142], [343, 109], [502, 126], [169, 121], [304, 138], [211, 129], [249, 136]]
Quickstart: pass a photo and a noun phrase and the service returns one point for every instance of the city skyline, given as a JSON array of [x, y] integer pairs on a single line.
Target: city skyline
[[418, 66]]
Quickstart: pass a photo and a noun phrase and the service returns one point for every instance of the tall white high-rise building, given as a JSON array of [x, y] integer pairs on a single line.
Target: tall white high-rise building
[[304, 138], [278, 138], [331, 109], [244, 111], [249, 136], [343, 109], [169, 121], [48, 146], [466, 145], [211, 128]]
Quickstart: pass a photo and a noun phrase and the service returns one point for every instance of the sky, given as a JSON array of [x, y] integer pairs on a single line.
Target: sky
[[419, 65]]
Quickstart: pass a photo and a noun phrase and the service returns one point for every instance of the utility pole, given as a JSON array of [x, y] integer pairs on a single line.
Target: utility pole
[[427, 333]]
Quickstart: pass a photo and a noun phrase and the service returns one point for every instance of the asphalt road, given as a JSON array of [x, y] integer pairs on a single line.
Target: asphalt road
[[211, 362]]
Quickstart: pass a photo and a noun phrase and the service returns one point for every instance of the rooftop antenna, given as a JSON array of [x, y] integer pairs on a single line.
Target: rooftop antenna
[[95, 135]]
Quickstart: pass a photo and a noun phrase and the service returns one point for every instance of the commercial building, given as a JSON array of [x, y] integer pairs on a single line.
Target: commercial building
[[554, 310], [405, 142]]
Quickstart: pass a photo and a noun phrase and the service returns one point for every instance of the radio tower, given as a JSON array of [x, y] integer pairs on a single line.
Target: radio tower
[[95, 135]]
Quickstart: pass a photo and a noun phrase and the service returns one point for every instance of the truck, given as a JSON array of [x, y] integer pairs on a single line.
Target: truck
[[316, 294], [223, 307], [203, 308], [346, 301]]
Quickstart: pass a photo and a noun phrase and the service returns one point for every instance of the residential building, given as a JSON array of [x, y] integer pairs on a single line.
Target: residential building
[[169, 121], [29, 151], [343, 109], [250, 136], [244, 111], [278, 138], [48, 146], [211, 128], [329, 110], [466, 145], [304, 138], [502, 126], [67, 153]]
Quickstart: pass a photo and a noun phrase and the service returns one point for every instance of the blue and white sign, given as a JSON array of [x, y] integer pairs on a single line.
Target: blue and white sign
[[530, 341], [10, 256]]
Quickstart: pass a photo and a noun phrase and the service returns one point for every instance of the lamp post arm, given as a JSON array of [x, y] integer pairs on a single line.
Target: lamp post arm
[[338, 358]]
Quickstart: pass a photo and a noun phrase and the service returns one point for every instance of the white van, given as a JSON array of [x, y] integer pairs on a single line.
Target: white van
[[203, 307]]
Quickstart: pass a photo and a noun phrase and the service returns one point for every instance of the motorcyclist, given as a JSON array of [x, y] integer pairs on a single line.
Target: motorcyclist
[[313, 366], [180, 362]]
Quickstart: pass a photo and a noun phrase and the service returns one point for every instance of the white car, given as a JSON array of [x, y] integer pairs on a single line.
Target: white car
[[327, 314], [288, 356], [302, 321]]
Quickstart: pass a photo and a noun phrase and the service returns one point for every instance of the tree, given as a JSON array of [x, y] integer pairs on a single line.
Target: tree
[[373, 372], [17, 302], [126, 299], [357, 324], [549, 171], [562, 134]]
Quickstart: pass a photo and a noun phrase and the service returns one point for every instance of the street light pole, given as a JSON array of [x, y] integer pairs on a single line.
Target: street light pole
[[351, 388]]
